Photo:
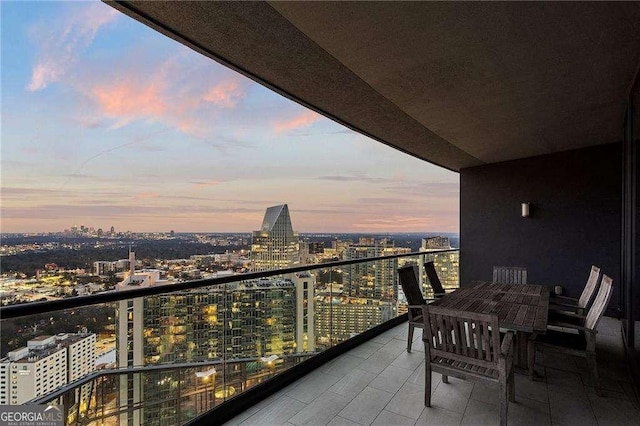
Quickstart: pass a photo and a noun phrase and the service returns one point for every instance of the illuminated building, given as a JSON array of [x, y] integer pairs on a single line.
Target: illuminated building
[[275, 245], [435, 243], [374, 280], [340, 318], [253, 318], [446, 264]]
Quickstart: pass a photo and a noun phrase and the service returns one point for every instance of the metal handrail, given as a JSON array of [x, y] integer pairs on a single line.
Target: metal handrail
[[148, 368], [28, 309]]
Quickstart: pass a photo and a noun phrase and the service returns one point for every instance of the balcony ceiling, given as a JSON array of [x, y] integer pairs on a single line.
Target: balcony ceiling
[[456, 84]]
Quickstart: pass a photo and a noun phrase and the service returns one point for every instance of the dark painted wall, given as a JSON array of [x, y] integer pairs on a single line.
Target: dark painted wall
[[575, 221], [631, 249]]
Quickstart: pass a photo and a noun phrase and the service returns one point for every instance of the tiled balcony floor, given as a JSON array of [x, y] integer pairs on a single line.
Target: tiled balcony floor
[[379, 383]]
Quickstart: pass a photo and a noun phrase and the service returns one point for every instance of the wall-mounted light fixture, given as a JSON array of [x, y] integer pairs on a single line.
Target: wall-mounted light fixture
[[525, 209]]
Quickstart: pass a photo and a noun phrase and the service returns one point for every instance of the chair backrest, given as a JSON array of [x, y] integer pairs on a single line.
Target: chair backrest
[[509, 275], [432, 276], [463, 336], [589, 288], [599, 304], [408, 276]]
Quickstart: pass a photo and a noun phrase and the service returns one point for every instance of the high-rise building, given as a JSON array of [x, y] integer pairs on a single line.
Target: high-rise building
[[44, 365], [316, 247], [305, 311], [275, 245], [375, 279], [446, 264], [252, 318], [340, 318], [368, 295], [102, 267], [435, 243]]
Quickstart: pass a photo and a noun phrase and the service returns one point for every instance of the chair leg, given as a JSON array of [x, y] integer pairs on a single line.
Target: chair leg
[[593, 371], [427, 386], [504, 400], [531, 359], [512, 387], [410, 337], [445, 379]]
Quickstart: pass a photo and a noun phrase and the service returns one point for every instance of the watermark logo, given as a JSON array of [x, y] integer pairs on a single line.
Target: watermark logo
[[31, 415]]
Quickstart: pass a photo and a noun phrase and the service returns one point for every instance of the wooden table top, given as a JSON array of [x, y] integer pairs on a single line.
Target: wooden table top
[[520, 307]]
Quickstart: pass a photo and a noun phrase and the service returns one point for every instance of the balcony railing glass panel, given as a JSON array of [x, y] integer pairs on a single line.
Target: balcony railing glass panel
[[166, 358]]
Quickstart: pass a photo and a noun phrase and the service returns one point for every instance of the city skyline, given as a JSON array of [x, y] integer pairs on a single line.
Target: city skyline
[[107, 123]]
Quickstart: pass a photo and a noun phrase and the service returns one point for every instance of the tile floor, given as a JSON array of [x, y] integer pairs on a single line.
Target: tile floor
[[379, 383]]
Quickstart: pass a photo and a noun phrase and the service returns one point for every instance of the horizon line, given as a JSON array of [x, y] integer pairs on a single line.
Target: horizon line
[[244, 232]]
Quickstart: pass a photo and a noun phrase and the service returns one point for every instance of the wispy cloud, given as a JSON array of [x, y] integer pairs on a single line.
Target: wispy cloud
[[10, 191], [61, 45], [127, 101], [385, 200], [134, 141], [353, 178], [180, 92], [204, 184], [304, 119], [115, 211], [145, 196], [177, 88], [426, 189], [226, 94], [88, 122]]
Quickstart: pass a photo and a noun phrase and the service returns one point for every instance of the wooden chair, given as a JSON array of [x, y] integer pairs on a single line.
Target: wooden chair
[[467, 345], [582, 343], [578, 306], [434, 280], [408, 276], [509, 275]]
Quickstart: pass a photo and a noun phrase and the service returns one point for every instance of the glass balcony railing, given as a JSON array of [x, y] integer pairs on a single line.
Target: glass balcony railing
[[164, 355]]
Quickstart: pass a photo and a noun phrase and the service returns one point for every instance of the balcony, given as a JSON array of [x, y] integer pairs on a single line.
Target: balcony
[[527, 106], [358, 378], [533, 103], [209, 347], [379, 383]]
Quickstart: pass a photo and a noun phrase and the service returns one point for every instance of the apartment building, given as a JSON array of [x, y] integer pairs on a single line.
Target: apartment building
[[44, 365]]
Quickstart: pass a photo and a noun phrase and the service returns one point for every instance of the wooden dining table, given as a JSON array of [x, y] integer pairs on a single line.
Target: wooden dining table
[[522, 308]]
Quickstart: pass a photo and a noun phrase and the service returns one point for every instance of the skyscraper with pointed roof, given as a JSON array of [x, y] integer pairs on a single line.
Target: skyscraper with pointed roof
[[275, 245]]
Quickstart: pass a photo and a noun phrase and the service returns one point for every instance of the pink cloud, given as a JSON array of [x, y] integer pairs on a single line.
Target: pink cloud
[[127, 101], [188, 126], [226, 94], [60, 46], [175, 88], [181, 92], [302, 120], [43, 73]]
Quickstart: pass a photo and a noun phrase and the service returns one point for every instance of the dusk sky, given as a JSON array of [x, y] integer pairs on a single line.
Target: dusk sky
[[107, 123]]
